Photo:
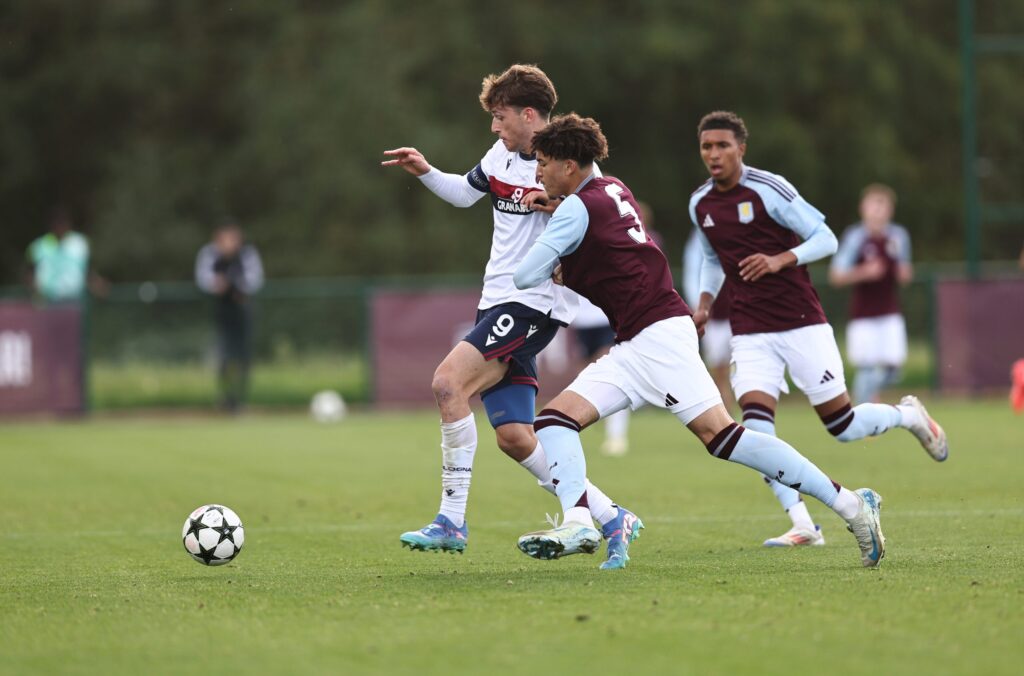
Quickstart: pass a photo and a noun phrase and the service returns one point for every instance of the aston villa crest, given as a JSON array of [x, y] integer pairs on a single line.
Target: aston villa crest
[[746, 212]]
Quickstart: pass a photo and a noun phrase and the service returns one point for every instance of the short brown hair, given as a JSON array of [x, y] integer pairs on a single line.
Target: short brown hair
[[522, 86], [723, 119], [571, 137], [879, 189]]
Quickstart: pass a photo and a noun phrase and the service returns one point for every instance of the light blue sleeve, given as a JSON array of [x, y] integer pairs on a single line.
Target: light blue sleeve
[[712, 276], [849, 248], [902, 237], [567, 226], [561, 237], [693, 260], [793, 212]]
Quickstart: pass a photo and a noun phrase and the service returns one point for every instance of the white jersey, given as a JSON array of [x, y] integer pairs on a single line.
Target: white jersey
[[507, 176], [590, 316]]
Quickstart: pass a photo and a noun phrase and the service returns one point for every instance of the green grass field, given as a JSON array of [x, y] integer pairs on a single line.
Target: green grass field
[[93, 577]]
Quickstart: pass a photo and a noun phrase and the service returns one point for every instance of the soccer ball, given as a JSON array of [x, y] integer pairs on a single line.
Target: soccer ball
[[327, 406], [213, 535]]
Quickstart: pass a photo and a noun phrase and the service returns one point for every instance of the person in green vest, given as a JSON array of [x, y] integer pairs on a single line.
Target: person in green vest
[[59, 262]]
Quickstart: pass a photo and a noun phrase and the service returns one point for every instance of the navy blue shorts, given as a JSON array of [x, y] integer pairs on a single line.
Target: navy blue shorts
[[594, 339], [513, 333]]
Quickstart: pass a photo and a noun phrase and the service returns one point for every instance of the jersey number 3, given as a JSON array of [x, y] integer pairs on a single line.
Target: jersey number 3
[[626, 209]]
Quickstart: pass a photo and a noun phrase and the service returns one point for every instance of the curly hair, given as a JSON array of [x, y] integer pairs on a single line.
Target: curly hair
[[571, 137], [723, 119], [522, 86]]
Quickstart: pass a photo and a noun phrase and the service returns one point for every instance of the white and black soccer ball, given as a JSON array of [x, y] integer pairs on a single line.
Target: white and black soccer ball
[[327, 406], [213, 535]]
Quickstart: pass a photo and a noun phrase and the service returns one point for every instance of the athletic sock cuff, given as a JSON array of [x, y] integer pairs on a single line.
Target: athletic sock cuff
[[837, 422], [550, 417], [723, 443], [758, 412]]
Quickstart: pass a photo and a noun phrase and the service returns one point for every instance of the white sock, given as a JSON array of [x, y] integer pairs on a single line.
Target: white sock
[[458, 445], [800, 517], [908, 416], [847, 504], [578, 515], [601, 506], [616, 426], [870, 420]]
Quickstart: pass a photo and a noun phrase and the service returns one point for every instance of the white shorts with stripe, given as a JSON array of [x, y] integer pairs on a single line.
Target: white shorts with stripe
[[877, 341], [760, 361], [660, 366], [714, 344]]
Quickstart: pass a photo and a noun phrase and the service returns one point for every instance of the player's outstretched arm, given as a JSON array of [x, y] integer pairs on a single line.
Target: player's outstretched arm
[[409, 159]]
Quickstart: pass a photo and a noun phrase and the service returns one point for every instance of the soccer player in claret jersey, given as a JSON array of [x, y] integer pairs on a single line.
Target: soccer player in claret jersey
[[596, 245], [874, 258], [759, 233], [497, 359]]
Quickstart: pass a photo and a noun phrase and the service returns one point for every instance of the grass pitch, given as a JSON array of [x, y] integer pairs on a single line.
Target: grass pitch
[[93, 576]]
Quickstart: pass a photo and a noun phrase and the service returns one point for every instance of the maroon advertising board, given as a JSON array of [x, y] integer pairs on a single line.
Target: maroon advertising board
[[980, 333], [412, 331], [40, 359]]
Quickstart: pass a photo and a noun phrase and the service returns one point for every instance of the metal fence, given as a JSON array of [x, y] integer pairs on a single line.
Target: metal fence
[[151, 343]]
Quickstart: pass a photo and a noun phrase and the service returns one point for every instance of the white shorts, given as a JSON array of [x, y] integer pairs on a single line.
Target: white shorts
[[760, 360], [714, 345], [660, 366], [877, 341]]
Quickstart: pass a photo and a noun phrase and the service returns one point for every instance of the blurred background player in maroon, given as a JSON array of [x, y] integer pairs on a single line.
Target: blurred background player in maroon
[[874, 259]]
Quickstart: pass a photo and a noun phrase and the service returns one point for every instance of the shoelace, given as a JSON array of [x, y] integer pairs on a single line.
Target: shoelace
[[553, 520]]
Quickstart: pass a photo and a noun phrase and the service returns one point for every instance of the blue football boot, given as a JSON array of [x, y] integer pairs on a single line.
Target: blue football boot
[[619, 532], [440, 535]]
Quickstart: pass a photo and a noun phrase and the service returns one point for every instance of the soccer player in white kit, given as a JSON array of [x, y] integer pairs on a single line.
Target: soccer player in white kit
[[759, 232], [497, 359]]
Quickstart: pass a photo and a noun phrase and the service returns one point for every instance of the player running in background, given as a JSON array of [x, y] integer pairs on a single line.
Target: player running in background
[[714, 344], [497, 359], [874, 258], [759, 234], [596, 245]]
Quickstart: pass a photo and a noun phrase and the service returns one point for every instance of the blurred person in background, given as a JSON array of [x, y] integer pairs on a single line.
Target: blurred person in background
[[714, 344], [874, 258], [230, 269], [58, 263]]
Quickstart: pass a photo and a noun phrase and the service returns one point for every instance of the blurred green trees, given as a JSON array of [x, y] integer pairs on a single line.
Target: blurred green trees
[[153, 119]]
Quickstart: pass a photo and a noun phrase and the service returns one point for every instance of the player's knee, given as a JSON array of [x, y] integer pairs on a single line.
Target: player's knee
[[446, 385], [516, 440]]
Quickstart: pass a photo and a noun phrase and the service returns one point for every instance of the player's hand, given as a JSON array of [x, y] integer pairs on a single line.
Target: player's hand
[[872, 270], [556, 276], [409, 159], [538, 200], [700, 320], [756, 266]]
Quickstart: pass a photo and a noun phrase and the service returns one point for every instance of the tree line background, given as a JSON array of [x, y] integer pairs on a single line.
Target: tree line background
[[153, 120]]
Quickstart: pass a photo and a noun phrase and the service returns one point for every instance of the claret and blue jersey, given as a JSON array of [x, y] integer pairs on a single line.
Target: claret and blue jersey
[[765, 214]]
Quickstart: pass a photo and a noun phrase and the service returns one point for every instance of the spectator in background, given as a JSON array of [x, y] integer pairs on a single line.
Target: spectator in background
[[230, 269], [59, 263], [874, 258]]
